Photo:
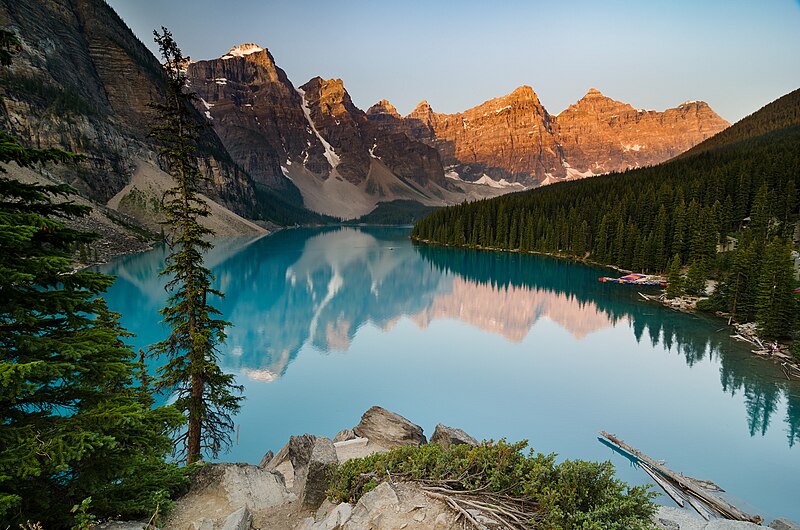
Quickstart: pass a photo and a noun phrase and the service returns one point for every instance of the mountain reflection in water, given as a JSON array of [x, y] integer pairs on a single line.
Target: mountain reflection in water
[[431, 330]]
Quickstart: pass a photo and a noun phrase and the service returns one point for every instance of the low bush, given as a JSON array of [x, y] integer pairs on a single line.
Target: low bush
[[573, 494]]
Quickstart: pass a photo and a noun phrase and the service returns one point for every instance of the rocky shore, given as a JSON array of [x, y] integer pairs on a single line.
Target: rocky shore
[[287, 490]]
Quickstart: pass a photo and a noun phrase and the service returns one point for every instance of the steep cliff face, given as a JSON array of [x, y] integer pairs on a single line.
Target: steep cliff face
[[511, 138], [84, 82], [312, 138], [599, 134], [341, 125], [257, 113]]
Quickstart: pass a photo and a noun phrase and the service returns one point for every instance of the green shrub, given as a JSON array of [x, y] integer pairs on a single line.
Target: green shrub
[[570, 495]]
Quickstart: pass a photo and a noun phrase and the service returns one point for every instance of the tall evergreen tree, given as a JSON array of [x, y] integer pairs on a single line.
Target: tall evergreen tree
[[205, 394], [775, 302], [674, 278], [71, 423]]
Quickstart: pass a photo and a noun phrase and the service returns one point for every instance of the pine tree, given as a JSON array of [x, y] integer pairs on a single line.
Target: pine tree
[[674, 278], [204, 393], [73, 426], [775, 302]]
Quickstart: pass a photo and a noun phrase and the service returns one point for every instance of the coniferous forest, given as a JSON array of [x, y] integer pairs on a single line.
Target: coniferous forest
[[728, 210]]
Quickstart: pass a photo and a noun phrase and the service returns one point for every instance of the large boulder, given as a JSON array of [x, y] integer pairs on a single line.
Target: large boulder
[[218, 490], [250, 486], [388, 429], [447, 436], [292, 460], [316, 473]]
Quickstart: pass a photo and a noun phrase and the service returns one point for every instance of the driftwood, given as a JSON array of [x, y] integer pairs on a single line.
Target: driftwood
[[666, 486], [689, 485]]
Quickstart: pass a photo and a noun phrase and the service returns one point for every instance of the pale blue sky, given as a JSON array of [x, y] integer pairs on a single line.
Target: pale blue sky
[[737, 55]]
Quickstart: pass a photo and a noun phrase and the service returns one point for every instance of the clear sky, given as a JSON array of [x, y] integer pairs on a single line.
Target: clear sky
[[737, 55]]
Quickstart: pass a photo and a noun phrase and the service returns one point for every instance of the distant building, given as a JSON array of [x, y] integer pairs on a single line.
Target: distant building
[[728, 244]]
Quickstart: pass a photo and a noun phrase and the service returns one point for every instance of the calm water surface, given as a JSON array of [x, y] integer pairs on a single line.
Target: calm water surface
[[329, 322]]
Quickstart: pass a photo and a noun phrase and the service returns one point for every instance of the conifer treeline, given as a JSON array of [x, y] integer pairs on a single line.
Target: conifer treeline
[[648, 218]]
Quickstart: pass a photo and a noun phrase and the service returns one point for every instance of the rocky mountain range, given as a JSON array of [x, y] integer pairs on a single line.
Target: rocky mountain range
[[344, 160], [282, 153]]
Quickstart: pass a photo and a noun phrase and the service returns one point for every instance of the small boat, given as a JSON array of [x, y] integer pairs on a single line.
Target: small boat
[[636, 279]]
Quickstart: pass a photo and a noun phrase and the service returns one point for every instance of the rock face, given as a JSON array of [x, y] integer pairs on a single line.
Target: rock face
[[257, 113], [447, 436], [514, 139], [600, 135], [303, 141], [95, 81], [510, 137], [270, 142], [388, 429]]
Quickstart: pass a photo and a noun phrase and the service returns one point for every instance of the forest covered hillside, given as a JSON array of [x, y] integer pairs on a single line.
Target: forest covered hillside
[[737, 195]]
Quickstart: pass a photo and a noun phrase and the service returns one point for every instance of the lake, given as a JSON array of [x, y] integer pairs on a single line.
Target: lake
[[328, 322]]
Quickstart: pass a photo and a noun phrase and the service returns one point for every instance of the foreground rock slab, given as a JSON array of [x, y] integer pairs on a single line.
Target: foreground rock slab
[[219, 490], [390, 507], [388, 429]]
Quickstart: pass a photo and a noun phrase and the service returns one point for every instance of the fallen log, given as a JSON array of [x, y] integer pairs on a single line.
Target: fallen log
[[666, 486], [725, 508]]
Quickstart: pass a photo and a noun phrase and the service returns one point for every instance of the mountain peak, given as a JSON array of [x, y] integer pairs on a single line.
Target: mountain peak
[[383, 107], [243, 49], [422, 107], [523, 91]]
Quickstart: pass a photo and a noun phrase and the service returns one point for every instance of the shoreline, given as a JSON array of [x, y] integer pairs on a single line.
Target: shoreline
[[687, 304]]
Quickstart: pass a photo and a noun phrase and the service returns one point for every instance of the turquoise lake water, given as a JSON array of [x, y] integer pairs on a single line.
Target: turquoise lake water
[[328, 322]]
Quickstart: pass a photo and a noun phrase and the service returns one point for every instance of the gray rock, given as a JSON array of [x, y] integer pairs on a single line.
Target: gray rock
[[241, 519], [121, 525], [667, 524], [447, 436], [254, 487], [388, 429], [400, 506], [344, 435], [381, 500], [266, 459], [784, 524], [276, 460], [202, 524], [317, 471], [335, 520], [671, 518], [300, 448]]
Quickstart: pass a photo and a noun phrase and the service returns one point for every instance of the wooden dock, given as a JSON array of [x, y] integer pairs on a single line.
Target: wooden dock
[[689, 488]]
